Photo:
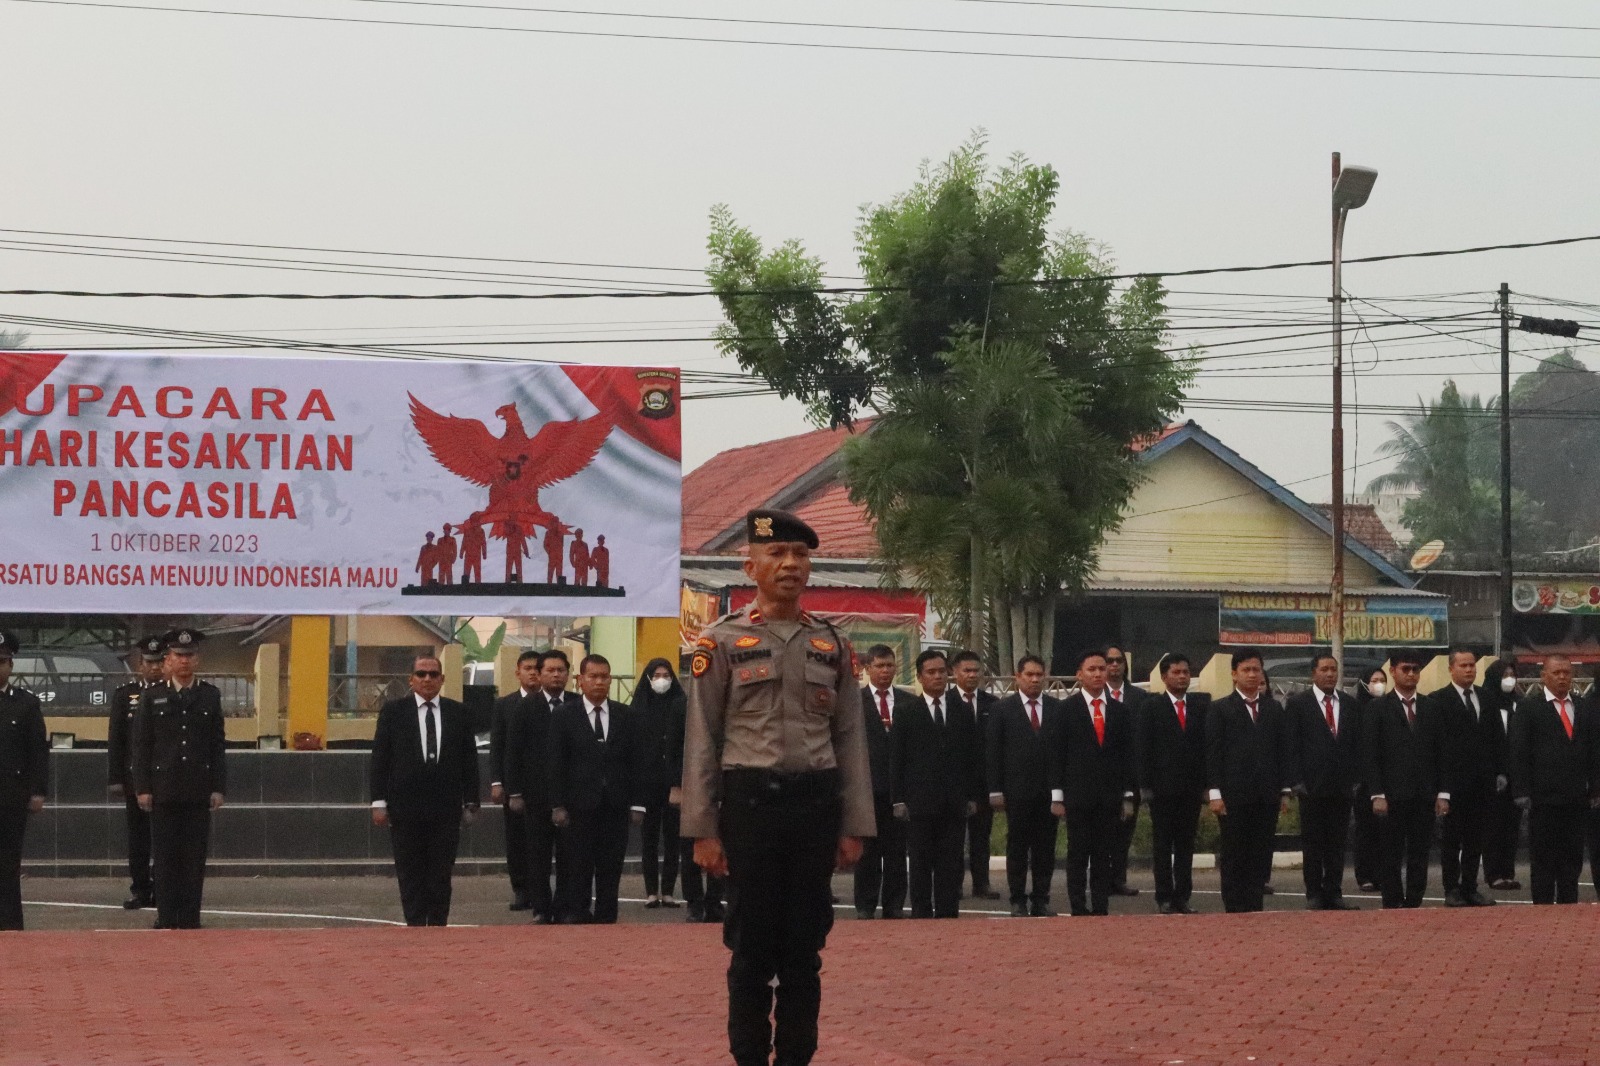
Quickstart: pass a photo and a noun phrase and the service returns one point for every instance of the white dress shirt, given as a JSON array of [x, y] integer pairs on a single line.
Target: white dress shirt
[[422, 732]]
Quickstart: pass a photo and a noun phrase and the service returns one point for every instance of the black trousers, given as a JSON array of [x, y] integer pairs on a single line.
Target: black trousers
[[1592, 832], [1324, 830], [539, 845], [1246, 860], [1124, 841], [1555, 850], [1174, 820], [1407, 834], [1030, 848], [424, 845], [1368, 843], [516, 828], [1461, 840], [780, 862], [139, 869], [1092, 834], [180, 834], [658, 845], [980, 827], [13, 823], [1501, 836], [596, 841], [933, 844], [881, 874], [697, 887]]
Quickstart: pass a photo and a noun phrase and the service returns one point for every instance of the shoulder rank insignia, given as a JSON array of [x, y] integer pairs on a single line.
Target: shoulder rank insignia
[[747, 642], [823, 645], [706, 643]]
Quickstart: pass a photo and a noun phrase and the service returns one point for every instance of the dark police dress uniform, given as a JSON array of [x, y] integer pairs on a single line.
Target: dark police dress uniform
[[24, 753], [178, 745], [119, 732], [775, 764]]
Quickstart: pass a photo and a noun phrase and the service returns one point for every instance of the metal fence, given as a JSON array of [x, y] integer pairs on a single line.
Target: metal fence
[[89, 695]]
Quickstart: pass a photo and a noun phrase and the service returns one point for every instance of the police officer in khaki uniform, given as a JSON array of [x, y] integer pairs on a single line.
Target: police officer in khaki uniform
[[24, 779], [119, 732], [776, 789], [178, 776]]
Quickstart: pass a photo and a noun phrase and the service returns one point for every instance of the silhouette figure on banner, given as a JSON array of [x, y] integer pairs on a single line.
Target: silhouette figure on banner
[[600, 561], [474, 549], [579, 557], [427, 559], [445, 546]]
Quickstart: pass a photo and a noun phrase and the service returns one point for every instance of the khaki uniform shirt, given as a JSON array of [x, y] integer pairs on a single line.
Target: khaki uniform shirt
[[773, 696]]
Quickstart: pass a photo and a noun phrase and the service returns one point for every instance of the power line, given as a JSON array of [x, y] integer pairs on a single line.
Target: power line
[[813, 45], [1279, 15], [822, 290]]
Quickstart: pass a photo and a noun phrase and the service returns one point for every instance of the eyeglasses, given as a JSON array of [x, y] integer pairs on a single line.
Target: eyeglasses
[[427, 673], [1116, 660]]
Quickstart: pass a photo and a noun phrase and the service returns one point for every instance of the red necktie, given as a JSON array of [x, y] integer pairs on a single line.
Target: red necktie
[[1033, 714], [1411, 712], [883, 707], [1099, 723], [1566, 719], [1183, 721], [1327, 710], [1251, 704]]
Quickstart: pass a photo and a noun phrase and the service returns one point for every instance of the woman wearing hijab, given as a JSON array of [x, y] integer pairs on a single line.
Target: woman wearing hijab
[[659, 706], [1375, 684]]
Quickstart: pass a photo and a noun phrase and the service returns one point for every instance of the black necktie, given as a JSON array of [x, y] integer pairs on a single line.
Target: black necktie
[[432, 732], [599, 729]]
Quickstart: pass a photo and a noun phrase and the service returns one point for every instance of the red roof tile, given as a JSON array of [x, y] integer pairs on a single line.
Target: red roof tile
[[1141, 443], [717, 493], [843, 528], [1361, 521]]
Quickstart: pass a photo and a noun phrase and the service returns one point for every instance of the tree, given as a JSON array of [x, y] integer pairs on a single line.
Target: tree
[[1009, 375], [12, 338], [476, 651], [1554, 447]]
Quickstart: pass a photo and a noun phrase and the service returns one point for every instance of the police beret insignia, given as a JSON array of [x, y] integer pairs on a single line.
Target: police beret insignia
[[823, 645], [747, 642], [699, 664]]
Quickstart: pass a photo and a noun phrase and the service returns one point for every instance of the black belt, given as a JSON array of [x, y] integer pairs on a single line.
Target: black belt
[[741, 785]]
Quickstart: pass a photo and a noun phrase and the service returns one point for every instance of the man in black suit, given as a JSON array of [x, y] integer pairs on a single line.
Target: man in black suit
[[1503, 832], [880, 875], [119, 761], [506, 709], [966, 669], [935, 781], [1402, 766], [1132, 699], [1327, 741], [527, 771], [1475, 771], [424, 788], [24, 779], [1249, 768], [596, 759], [180, 776], [1092, 782], [1555, 776], [1172, 775], [1018, 758]]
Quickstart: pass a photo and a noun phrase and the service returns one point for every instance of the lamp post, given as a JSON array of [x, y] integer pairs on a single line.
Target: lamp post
[[1351, 187]]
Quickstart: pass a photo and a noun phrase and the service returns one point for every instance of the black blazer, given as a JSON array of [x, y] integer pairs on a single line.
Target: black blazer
[[935, 769], [1398, 762], [1325, 766], [878, 736], [178, 744], [24, 749], [1172, 760], [585, 774], [404, 780], [500, 716], [1087, 772], [527, 760], [1477, 750], [1545, 765], [1018, 759], [1250, 762], [985, 702]]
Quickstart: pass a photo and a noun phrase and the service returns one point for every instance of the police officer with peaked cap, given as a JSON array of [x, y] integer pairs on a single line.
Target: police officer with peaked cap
[[124, 705], [776, 790], [178, 776], [24, 778]]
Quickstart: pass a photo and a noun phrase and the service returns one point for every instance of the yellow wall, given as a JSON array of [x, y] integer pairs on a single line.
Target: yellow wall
[[1197, 521]]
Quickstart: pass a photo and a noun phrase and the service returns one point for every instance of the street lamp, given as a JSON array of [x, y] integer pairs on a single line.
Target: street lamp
[[1351, 187]]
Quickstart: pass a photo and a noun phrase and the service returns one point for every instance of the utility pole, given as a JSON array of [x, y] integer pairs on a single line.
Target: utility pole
[[1503, 648], [1336, 590]]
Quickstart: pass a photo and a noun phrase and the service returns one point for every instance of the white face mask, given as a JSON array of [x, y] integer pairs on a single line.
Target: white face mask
[[1374, 688], [1508, 685], [661, 685]]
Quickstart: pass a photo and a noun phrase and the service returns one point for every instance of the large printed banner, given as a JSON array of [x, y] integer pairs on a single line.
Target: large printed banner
[[230, 483], [1303, 619], [1556, 597]]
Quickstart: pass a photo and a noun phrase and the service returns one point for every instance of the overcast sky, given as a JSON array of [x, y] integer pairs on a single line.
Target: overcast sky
[[610, 150]]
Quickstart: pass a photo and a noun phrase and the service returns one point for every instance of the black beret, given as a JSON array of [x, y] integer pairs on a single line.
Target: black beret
[[9, 642], [770, 527], [152, 648], [186, 641]]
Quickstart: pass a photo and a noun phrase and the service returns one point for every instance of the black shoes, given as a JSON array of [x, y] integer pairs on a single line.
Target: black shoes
[[1339, 903], [544, 918], [1506, 884], [1124, 890], [985, 893], [1019, 910], [1478, 899], [696, 913], [1182, 908], [521, 903], [138, 901], [652, 905], [1454, 898], [1039, 910]]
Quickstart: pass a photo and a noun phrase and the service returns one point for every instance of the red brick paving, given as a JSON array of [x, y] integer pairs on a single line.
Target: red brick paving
[[1509, 985]]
